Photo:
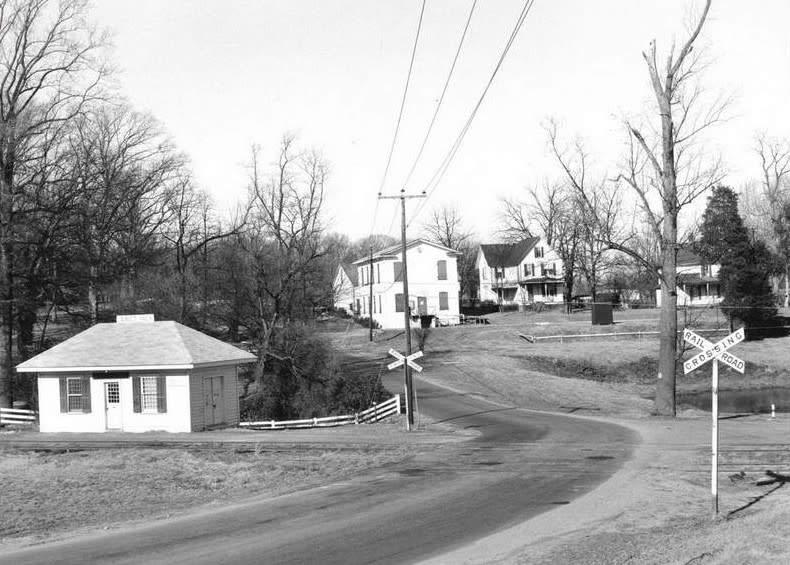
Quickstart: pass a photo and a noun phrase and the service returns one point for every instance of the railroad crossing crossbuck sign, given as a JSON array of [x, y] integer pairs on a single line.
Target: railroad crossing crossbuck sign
[[713, 351], [403, 359]]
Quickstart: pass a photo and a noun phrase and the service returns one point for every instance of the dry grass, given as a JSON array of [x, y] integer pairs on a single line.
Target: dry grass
[[47, 493]]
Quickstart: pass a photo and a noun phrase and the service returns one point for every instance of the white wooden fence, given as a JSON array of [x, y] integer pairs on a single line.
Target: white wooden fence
[[373, 414], [17, 416]]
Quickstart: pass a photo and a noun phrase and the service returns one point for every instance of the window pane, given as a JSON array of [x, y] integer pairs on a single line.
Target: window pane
[[398, 275], [443, 302], [442, 268], [75, 386], [399, 304]]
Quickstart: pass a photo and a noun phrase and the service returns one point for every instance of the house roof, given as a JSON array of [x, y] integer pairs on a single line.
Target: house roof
[[141, 345], [507, 254], [687, 257], [395, 250], [351, 272]]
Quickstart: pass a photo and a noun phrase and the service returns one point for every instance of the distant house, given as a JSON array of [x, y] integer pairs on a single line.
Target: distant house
[[137, 375], [525, 272], [433, 285], [697, 281], [344, 287]]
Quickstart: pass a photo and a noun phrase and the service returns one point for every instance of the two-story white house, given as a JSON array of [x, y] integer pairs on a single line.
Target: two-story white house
[[524, 272], [697, 281], [433, 285]]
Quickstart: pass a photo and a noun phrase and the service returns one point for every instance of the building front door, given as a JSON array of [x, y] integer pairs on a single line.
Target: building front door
[[112, 405], [213, 401]]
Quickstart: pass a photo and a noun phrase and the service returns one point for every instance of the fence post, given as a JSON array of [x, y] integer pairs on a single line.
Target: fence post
[[397, 402]]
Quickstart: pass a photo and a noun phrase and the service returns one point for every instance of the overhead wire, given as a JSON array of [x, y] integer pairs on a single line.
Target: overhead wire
[[437, 177], [400, 112], [441, 97]]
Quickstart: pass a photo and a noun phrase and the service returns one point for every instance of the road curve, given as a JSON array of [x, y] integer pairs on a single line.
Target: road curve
[[522, 464]]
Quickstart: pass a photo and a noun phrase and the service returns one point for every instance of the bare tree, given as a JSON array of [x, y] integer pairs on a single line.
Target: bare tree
[[285, 234], [774, 157], [591, 208], [49, 67], [668, 174]]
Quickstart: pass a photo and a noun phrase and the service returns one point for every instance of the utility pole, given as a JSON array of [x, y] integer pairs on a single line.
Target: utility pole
[[406, 309], [370, 291]]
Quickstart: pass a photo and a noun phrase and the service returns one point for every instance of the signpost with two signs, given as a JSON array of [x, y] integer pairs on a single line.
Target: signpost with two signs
[[714, 352]]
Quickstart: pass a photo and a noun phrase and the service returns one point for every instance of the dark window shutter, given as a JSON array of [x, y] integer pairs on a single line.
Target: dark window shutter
[[136, 404], [161, 394], [444, 303], [64, 395], [398, 266], [442, 268], [86, 394], [399, 303]]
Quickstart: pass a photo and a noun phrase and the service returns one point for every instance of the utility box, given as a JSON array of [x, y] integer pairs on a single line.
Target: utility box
[[602, 314]]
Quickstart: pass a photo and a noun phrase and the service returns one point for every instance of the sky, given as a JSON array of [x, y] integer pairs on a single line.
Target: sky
[[222, 75]]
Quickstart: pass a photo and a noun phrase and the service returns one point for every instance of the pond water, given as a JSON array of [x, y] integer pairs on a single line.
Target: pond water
[[740, 401]]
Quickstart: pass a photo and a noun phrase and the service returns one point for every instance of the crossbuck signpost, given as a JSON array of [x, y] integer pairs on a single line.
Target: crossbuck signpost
[[408, 362], [714, 352]]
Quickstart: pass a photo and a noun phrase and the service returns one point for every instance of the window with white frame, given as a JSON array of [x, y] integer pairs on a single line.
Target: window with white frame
[[74, 391], [441, 268], [444, 303], [148, 394], [538, 252]]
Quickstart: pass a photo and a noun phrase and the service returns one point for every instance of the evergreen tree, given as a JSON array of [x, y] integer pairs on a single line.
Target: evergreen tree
[[746, 265]]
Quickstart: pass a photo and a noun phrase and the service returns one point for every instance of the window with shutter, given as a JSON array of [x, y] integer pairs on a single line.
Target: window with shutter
[[441, 267], [399, 303], [443, 301], [398, 268], [75, 394]]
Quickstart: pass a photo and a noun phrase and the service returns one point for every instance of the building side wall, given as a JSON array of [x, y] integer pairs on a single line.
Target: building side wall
[[230, 394], [176, 419]]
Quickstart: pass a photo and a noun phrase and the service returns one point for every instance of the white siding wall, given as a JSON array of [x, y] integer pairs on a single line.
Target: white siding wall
[[176, 419]]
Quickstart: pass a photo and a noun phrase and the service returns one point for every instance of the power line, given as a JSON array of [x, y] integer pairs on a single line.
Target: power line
[[430, 187], [441, 98], [403, 100], [400, 115]]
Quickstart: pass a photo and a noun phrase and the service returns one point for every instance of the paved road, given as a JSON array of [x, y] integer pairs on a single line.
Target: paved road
[[522, 464]]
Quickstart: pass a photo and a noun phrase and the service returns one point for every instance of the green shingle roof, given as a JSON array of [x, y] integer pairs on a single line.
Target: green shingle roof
[[143, 345]]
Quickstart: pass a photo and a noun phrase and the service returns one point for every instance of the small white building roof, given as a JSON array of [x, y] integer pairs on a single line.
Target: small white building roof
[[139, 344]]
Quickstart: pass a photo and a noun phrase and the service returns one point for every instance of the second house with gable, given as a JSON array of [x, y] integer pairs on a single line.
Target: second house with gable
[[523, 272]]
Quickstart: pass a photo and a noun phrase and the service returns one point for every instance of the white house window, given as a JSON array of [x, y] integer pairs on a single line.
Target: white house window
[[441, 267], [705, 270], [499, 272], [443, 301], [75, 394], [149, 394], [538, 252], [74, 388], [398, 271], [399, 303]]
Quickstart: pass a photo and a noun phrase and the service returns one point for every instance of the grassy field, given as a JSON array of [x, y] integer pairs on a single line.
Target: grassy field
[[47, 494], [657, 510]]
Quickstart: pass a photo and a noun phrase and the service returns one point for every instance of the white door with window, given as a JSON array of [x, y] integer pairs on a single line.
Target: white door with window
[[112, 405], [213, 401]]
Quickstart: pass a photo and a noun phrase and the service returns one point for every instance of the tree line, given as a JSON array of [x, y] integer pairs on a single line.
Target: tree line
[[100, 215]]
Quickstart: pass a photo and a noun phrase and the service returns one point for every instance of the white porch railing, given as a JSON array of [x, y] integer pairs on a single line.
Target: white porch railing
[[373, 414], [18, 416]]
